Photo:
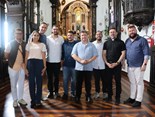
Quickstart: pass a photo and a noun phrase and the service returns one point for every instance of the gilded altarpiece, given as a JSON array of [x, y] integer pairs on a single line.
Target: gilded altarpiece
[[76, 17]]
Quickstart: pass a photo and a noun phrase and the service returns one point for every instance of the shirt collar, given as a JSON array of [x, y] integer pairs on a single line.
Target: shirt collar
[[18, 41]]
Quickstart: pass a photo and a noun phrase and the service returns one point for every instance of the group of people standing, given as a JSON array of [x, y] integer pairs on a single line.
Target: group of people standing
[[79, 61]]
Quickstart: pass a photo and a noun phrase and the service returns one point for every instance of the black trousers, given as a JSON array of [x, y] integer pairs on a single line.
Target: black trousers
[[116, 72], [100, 75], [80, 76], [53, 71]]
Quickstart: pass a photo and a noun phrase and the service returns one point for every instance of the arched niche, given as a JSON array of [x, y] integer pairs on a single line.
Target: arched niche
[[75, 17]]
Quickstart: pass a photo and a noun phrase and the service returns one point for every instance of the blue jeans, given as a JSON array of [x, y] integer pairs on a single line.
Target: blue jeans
[[35, 67], [69, 74]]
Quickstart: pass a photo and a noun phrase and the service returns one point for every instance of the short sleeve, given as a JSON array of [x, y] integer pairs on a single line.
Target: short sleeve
[[62, 41], [44, 48], [145, 47], [123, 46], [27, 47], [74, 51], [95, 53], [105, 46]]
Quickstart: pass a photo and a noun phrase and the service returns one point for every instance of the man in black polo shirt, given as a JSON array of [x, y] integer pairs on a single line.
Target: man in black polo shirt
[[113, 54]]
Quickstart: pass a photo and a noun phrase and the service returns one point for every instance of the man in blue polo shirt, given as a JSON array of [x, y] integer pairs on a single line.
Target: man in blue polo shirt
[[137, 55], [84, 53]]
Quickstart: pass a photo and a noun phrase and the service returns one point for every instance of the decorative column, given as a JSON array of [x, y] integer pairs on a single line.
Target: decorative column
[[53, 14], [54, 5], [38, 12], [93, 9], [31, 8], [117, 16]]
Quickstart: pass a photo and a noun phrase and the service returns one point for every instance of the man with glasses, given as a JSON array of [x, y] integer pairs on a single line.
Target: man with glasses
[[15, 53]]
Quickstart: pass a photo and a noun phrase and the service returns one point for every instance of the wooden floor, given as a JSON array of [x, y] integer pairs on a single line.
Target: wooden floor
[[60, 108]]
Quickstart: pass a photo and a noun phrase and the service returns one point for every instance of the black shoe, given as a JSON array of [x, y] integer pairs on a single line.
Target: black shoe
[[65, 97], [77, 100], [109, 99], [117, 102], [129, 101], [89, 99], [136, 104], [33, 105], [50, 96], [38, 105], [57, 95]]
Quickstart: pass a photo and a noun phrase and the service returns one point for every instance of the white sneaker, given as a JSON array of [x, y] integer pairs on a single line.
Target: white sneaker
[[72, 95], [22, 102], [43, 98], [105, 95], [96, 95], [15, 104]]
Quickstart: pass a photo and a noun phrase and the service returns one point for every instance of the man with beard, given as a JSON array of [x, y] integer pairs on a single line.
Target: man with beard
[[137, 56], [54, 49], [113, 54], [99, 68], [68, 65]]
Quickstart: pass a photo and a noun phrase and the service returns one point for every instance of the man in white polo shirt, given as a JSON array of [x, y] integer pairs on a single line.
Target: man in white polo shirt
[[54, 46]]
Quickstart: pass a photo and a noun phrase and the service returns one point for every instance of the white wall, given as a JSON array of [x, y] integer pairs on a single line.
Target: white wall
[[102, 15], [46, 10]]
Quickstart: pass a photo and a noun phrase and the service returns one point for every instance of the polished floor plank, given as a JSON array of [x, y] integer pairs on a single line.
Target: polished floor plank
[[61, 108]]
